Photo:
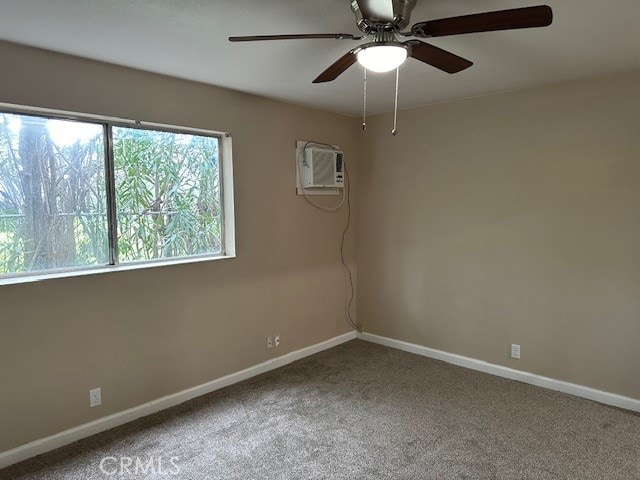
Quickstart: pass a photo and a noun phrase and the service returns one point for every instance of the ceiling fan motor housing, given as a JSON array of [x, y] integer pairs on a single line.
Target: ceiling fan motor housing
[[371, 19], [402, 13]]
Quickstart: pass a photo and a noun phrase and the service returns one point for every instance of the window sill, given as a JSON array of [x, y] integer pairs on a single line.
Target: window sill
[[38, 277]]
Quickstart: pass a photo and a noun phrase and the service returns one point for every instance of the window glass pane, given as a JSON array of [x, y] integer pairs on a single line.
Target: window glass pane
[[52, 194], [167, 194]]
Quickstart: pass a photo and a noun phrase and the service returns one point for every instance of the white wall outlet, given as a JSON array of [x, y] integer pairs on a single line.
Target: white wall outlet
[[277, 340], [269, 343], [515, 351], [95, 397]]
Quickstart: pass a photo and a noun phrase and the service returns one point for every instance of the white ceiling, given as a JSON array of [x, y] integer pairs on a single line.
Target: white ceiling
[[188, 39]]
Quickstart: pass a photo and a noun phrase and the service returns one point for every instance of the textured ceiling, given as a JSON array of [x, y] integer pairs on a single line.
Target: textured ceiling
[[188, 39]]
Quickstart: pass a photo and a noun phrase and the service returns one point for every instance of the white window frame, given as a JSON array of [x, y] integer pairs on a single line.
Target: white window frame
[[228, 246]]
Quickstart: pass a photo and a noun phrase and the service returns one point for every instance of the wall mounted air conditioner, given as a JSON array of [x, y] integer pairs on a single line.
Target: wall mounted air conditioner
[[322, 168]]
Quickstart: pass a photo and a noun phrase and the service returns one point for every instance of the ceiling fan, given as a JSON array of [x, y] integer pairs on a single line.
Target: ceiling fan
[[383, 21]]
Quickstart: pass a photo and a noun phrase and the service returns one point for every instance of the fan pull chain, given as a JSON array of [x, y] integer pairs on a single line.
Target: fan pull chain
[[394, 132], [364, 108]]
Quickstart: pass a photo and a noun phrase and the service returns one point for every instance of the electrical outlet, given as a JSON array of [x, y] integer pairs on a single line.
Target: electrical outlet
[[515, 351], [269, 343], [95, 397], [277, 340]]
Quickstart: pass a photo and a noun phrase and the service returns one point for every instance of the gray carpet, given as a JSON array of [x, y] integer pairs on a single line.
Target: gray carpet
[[363, 411]]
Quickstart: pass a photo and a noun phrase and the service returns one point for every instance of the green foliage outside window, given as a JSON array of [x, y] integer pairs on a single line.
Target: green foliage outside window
[[167, 194], [53, 201]]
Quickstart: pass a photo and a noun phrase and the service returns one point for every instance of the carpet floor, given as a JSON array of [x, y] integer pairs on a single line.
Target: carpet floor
[[361, 411]]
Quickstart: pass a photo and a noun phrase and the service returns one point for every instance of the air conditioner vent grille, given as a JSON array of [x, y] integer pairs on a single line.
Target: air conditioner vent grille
[[324, 167]]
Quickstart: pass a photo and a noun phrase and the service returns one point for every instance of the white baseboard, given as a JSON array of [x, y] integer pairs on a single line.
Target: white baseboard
[[61, 439], [589, 393]]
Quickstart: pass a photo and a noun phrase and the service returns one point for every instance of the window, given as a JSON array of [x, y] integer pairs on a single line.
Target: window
[[167, 188], [92, 193]]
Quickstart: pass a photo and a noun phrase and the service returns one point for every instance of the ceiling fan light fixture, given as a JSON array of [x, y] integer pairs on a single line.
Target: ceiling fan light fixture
[[382, 58]]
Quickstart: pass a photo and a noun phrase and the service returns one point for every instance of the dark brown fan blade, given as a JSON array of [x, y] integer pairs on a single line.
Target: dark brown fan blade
[[528, 17], [338, 67], [436, 57], [302, 36]]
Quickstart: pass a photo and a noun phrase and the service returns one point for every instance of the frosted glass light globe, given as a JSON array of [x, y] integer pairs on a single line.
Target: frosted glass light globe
[[382, 58]]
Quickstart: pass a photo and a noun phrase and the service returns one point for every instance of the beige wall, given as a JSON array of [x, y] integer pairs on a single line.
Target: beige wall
[[510, 218], [499, 219], [144, 334]]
